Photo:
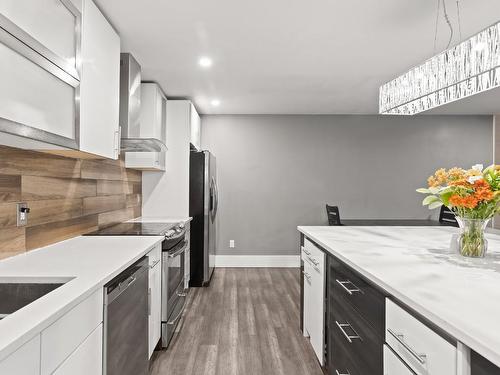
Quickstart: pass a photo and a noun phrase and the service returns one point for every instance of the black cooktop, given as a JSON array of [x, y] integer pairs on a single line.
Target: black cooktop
[[135, 229]]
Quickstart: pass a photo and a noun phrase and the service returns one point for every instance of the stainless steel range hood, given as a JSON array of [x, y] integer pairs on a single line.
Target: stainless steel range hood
[[130, 109]]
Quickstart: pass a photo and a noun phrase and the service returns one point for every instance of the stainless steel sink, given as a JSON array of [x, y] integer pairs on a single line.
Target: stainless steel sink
[[15, 294]]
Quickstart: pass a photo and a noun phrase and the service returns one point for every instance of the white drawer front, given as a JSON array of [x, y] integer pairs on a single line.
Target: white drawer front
[[24, 361], [314, 255], [154, 256], [393, 365], [86, 359], [66, 334], [421, 348]]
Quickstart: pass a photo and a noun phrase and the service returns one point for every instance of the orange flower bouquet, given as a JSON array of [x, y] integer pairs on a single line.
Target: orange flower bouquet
[[474, 197]]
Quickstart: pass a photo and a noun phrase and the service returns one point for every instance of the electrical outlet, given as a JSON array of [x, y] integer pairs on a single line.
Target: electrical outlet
[[22, 214], [231, 243]]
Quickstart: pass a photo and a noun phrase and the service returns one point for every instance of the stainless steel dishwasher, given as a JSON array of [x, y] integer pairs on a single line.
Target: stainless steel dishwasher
[[126, 322]]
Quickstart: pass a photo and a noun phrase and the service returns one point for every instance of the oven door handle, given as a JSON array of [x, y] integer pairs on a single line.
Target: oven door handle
[[173, 321], [178, 252], [182, 233]]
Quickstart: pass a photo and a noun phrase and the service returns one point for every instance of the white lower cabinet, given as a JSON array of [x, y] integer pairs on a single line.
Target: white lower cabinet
[[71, 345], [154, 298], [393, 365], [24, 361], [422, 349], [314, 291], [308, 305], [61, 338], [86, 359]]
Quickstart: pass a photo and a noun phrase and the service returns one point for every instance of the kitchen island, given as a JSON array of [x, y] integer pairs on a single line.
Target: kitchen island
[[457, 297]]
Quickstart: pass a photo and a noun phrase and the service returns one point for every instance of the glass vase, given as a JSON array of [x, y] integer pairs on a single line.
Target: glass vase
[[472, 242]]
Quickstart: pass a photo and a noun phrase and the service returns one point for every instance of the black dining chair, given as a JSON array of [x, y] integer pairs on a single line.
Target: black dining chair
[[447, 217], [333, 215]]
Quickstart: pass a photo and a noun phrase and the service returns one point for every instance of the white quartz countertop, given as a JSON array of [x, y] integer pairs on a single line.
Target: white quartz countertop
[[161, 219], [90, 262], [416, 266]]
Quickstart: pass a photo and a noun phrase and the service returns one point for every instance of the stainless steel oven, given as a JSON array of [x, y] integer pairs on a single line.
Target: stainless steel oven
[[173, 295], [174, 246]]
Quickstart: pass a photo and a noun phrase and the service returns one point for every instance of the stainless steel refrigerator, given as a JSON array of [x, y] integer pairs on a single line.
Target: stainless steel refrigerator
[[203, 205]]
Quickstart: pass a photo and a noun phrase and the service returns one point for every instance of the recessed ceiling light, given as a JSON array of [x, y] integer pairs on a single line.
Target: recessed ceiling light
[[215, 103], [205, 62]]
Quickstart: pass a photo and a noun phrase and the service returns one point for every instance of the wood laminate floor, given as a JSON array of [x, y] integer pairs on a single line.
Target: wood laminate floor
[[246, 322]]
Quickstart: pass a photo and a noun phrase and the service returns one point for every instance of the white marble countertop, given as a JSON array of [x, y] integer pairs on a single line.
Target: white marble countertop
[[90, 262], [416, 266], [161, 219]]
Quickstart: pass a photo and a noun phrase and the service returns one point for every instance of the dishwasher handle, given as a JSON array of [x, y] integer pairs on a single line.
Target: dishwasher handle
[[119, 285]]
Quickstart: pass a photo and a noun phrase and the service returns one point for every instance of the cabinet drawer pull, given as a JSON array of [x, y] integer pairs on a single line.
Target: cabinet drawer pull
[[154, 264], [149, 302], [305, 251], [348, 290], [314, 261], [342, 373], [400, 338], [347, 336], [306, 275]]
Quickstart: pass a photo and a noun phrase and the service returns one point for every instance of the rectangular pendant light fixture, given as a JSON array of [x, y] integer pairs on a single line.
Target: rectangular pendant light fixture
[[467, 69]]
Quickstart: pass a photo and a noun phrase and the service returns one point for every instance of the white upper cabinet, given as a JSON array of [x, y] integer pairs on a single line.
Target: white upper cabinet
[[60, 71], [39, 71], [153, 124], [34, 16], [195, 128], [100, 85], [153, 118]]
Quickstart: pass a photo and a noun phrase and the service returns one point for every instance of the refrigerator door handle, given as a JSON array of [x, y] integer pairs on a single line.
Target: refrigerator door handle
[[212, 196], [216, 197]]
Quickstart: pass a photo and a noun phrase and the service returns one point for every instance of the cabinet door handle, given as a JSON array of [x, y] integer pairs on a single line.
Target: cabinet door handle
[[154, 264], [348, 290], [149, 302], [306, 251], [422, 358], [346, 335], [314, 261], [306, 275], [117, 141], [342, 373]]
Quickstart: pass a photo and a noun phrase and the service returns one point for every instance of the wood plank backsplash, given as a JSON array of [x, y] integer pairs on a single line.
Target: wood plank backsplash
[[67, 197]]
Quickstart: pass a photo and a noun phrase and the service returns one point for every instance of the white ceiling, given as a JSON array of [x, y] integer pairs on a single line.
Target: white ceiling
[[285, 56]]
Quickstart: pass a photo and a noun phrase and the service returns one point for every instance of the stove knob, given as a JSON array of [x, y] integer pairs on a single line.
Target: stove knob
[[181, 225], [169, 233], [178, 230]]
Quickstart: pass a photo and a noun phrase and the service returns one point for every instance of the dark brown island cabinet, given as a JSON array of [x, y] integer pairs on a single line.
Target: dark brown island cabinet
[[366, 331], [481, 366]]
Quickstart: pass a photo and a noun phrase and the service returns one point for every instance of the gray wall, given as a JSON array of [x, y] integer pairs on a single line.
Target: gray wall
[[277, 172]]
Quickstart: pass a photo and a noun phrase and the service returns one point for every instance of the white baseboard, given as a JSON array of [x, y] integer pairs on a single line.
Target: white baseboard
[[261, 261]]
